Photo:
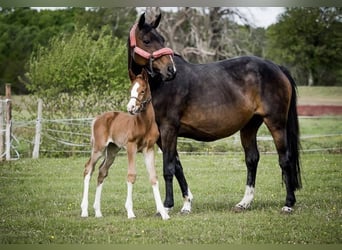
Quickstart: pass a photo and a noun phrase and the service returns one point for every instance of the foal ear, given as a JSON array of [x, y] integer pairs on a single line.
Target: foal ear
[[156, 22], [141, 21], [144, 75], [131, 74]]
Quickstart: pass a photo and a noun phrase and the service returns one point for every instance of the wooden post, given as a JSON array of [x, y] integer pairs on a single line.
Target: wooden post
[[8, 122], [35, 153]]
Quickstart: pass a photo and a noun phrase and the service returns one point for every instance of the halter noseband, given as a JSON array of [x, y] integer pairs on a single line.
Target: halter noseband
[[143, 103], [144, 54]]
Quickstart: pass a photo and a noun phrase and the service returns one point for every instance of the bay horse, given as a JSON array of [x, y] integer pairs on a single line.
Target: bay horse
[[137, 132], [211, 101]]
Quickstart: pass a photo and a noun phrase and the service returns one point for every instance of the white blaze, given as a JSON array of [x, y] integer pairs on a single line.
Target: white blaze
[[134, 93]]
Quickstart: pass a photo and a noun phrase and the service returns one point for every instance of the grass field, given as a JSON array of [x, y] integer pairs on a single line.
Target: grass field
[[40, 199], [40, 203]]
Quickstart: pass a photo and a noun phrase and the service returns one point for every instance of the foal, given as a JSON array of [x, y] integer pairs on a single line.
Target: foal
[[137, 132]]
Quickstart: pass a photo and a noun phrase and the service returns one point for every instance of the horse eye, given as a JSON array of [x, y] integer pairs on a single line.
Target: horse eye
[[146, 41]]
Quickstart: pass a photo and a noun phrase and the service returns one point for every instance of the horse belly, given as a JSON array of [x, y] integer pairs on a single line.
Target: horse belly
[[213, 125]]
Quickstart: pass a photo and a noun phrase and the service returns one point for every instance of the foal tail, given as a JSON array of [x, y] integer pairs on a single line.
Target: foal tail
[[292, 130]]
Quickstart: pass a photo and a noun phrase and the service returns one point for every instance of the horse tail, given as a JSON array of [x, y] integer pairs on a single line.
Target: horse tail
[[293, 133]]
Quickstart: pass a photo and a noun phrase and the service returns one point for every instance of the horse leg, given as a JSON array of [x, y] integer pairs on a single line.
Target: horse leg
[[278, 131], [88, 171], [131, 176], [187, 195], [110, 154], [249, 144], [169, 143], [149, 162]]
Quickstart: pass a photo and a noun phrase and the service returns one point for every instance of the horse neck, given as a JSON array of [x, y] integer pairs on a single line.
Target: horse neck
[[136, 68]]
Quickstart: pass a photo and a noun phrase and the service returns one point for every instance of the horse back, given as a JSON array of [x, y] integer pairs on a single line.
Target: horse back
[[214, 100]]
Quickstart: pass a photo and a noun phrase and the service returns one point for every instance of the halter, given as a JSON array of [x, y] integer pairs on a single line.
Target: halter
[[143, 103], [144, 54]]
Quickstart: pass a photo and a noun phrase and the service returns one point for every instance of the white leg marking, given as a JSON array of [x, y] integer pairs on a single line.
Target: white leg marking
[[287, 209], [159, 203], [84, 203], [97, 203], [187, 203], [149, 162], [247, 198], [129, 201]]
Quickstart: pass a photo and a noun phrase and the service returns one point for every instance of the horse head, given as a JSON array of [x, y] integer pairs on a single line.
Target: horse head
[[147, 49]]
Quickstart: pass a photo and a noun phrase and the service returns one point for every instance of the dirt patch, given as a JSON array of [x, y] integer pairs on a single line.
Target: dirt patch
[[319, 110]]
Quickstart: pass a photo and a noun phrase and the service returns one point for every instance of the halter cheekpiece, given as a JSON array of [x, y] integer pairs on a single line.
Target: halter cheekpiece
[[143, 103], [144, 54]]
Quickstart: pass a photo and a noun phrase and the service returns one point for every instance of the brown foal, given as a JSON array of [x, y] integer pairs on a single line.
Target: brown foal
[[136, 132]]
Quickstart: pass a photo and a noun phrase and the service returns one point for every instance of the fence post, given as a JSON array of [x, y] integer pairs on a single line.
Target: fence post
[[1, 130], [8, 122], [35, 153]]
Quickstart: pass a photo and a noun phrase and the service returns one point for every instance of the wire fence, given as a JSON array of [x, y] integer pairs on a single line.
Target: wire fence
[[71, 137]]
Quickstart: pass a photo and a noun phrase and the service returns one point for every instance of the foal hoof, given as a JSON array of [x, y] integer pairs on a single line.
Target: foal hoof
[[164, 217], [238, 209], [287, 210]]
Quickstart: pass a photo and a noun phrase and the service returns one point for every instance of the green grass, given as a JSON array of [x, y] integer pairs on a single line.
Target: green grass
[[320, 95], [40, 203]]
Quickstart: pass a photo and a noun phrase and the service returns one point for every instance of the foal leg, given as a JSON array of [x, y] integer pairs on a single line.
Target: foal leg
[[249, 144], [89, 169], [150, 166], [131, 176], [110, 154]]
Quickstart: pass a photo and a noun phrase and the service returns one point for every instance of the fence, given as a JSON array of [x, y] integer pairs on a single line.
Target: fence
[[71, 137]]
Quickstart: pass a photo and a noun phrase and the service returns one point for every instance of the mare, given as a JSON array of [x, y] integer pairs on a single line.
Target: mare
[[137, 132], [211, 101]]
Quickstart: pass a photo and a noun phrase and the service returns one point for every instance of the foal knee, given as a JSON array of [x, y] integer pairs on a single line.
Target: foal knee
[[153, 180], [131, 177]]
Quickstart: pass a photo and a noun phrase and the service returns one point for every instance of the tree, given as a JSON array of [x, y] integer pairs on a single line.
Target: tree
[[209, 34], [310, 41], [23, 29]]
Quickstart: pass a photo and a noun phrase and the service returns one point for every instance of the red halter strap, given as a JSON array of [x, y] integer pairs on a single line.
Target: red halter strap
[[143, 53]]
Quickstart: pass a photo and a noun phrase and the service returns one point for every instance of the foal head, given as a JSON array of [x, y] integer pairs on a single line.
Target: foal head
[[140, 92]]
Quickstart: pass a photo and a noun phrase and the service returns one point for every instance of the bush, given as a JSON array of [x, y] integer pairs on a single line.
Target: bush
[[77, 77], [79, 66]]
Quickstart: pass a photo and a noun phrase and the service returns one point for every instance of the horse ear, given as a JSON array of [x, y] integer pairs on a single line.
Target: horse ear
[[156, 22], [141, 21], [132, 76]]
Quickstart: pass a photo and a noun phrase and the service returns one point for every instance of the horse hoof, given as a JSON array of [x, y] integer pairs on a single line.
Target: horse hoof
[[238, 209], [185, 212], [168, 209], [287, 210]]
